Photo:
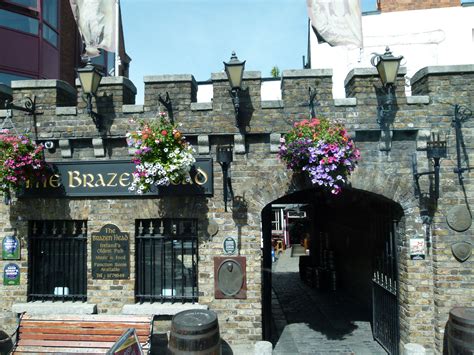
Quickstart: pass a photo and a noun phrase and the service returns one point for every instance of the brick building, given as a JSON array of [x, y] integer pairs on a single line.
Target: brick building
[[378, 211]]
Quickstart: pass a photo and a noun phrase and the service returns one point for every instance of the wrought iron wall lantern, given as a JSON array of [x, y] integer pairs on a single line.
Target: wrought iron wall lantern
[[225, 158], [387, 67], [461, 114], [435, 150], [234, 70], [90, 77]]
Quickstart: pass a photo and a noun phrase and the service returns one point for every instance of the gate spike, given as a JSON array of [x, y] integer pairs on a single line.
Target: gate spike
[[35, 228], [140, 228], [162, 229], [152, 228], [84, 228]]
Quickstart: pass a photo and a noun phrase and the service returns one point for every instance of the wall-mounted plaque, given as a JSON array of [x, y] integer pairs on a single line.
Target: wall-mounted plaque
[[11, 274], [10, 248], [229, 246], [459, 218], [230, 277], [461, 251], [110, 253], [417, 249]]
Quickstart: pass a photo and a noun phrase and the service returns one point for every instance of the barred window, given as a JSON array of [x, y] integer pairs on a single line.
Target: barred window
[[57, 260], [166, 260]]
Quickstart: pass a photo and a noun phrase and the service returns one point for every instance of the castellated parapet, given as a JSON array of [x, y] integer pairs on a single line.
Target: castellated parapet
[[427, 288]]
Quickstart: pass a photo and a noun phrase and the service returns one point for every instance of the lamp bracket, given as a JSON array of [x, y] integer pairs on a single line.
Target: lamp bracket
[[461, 115], [166, 102], [27, 104], [385, 110], [312, 103], [234, 94], [96, 117]]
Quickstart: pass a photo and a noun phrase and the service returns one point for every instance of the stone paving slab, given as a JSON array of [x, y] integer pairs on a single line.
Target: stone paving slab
[[308, 321]]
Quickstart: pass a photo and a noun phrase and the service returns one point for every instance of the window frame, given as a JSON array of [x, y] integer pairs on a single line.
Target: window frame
[[168, 236]]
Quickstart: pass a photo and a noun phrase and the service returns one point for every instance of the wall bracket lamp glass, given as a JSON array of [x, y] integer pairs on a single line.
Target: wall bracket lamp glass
[[225, 158], [90, 77], [234, 70], [387, 67], [435, 150]]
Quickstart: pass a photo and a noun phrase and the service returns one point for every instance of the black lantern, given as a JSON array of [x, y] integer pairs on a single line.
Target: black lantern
[[387, 67], [234, 70], [224, 157], [90, 77]]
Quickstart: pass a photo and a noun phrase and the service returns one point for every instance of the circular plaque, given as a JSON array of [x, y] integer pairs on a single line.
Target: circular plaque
[[459, 218], [212, 228]]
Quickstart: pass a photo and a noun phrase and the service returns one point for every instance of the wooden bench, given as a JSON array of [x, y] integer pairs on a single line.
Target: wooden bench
[[78, 334]]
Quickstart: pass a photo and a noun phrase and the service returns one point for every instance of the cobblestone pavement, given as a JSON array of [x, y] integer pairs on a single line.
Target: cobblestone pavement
[[308, 321]]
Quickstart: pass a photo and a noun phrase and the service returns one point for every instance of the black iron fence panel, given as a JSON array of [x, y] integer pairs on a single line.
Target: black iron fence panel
[[166, 260], [57, 260]]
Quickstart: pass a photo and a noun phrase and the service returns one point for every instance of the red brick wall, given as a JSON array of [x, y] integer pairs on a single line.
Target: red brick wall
[[69, 44], [403, 5]]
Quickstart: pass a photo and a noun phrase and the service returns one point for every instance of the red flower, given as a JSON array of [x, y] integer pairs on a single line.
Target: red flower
[[164, 132]]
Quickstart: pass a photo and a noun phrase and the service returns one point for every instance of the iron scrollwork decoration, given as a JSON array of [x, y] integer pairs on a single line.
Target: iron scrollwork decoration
[[26, 104], [461, 114], [435, 150], [312, 103]]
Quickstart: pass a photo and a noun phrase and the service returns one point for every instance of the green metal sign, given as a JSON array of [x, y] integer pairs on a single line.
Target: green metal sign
[[11, 275], [10, 248]]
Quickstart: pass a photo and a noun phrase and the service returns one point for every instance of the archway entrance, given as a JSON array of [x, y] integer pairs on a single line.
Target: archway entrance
[[334, 271]]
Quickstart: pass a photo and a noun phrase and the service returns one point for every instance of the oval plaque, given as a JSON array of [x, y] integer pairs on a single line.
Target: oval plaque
[[459, 218], [230, 277]]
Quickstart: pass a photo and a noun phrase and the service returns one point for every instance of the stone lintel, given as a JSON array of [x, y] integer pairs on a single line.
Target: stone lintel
[[350, 101], [49, 307], [272, 104], [201, 106], [66, 111], [99, 150], [203, 144], [43, 84], [159, 308], [305, 73], [421, 99], [132, 109], [275, 142], [442, 69]]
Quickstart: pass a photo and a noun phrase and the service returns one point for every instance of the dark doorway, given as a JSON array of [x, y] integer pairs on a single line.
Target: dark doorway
[[342, 262]]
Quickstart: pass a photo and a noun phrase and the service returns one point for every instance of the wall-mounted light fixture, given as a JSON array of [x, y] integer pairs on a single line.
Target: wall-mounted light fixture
[[225, 158], [90, 77], [461, 114], [435, 150], [235, 72], [387, 67]]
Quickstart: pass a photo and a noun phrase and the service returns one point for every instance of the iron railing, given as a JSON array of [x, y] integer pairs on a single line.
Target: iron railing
[[57, 258], [166, 260]]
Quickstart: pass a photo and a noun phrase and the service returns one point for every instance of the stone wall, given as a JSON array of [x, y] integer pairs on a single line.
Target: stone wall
[[428, 288]]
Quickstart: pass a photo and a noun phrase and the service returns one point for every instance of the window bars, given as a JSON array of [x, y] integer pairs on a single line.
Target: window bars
[[57, 260], [166, 260]]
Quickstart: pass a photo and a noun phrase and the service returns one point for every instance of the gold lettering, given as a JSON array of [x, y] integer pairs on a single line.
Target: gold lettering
[[100, 181], [88, 180], [124, 179], [74, 177], [113, 176], [201, 177], [54, 180]]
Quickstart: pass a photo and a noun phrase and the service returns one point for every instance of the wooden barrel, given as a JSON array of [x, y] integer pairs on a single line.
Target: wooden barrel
[[195, 332], [6, 343], [461, 331]]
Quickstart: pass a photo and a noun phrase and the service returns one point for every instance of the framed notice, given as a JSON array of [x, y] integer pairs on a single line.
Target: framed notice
[[417, 248], [10, 248], [110, 253], [11, 275]]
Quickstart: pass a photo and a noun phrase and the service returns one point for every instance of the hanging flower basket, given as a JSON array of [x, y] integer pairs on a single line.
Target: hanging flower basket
[[321, 148], [163, 156], [21, 159]]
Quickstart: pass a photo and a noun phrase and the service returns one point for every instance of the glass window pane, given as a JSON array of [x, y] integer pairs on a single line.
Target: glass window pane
[[49, 35], [100, 60], [369, 6], [111, 63], [18, 22], [6, 78], [27, 3], [50, 12]]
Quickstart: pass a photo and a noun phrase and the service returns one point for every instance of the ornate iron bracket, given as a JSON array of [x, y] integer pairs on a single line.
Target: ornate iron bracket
[[312, 103], [26, 104], [461, 114], [166, 102]]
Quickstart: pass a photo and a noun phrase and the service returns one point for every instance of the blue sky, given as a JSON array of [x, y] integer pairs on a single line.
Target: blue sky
[[196, 36]]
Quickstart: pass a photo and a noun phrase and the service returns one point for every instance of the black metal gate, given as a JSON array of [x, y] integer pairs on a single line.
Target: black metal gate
[[385, 313]]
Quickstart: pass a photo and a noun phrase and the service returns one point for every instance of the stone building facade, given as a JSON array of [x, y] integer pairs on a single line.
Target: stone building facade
[[427, 288]]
